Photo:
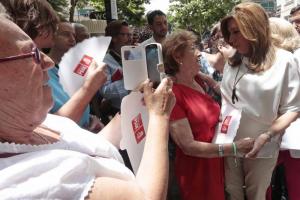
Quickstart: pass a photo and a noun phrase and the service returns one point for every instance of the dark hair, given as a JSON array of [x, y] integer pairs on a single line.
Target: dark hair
[[295, 9], [114, 27], [176, 43], [152, 14], [32, 15]]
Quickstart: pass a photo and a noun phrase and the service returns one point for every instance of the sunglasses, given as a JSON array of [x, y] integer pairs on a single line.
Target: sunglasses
[[35, 54]]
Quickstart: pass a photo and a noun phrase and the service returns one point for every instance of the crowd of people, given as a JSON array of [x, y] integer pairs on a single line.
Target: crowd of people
[[52, 146]]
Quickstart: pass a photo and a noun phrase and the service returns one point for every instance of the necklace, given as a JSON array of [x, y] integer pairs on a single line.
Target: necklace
[[234, 96]]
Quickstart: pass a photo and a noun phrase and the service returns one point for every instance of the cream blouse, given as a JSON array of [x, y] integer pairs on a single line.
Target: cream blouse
[[263, 96]]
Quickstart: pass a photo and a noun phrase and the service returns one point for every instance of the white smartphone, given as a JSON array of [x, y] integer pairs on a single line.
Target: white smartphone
[[134, 66], [154, 61]]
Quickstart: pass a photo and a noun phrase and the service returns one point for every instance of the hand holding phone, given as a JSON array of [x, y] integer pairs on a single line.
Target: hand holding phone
[[154, 60]]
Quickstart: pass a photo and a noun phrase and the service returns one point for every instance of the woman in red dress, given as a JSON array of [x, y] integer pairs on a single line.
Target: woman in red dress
[[198, 163]]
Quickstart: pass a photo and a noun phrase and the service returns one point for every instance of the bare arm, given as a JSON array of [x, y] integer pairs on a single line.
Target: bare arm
[[278, 127], [152, 176], [112, 131], [76, 105], [182, 135]]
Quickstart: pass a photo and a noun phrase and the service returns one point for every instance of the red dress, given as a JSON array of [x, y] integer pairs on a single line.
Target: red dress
[[198, 178]]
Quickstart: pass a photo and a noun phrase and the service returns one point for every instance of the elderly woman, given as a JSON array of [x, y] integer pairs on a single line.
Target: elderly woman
[[198, 163], [286, 37], [50, 157], [264, 84]]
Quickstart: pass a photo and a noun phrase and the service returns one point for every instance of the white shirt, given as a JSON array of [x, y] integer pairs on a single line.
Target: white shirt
[[148, 41], [297, 55], [63, 170], [265, 95]]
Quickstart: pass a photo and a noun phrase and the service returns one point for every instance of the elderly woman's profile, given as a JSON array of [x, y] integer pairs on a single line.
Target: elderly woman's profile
[[45, 156]]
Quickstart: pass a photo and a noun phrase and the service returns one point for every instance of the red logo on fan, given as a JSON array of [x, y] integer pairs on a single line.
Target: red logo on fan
[[225, 124], [138, 128], [83, 65]]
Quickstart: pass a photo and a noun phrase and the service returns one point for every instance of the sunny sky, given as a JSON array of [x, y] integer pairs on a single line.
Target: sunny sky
[[162, 5]]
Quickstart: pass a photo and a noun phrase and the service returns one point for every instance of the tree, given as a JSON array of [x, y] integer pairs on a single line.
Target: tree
[[73, 4], [198, 15], [59, 6], [130, 10]]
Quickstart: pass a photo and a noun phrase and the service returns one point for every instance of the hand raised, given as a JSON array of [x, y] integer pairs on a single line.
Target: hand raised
[[161, 100], [96, 76]]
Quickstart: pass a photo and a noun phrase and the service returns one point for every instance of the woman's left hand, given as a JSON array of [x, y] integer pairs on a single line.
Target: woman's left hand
[[259, 142]]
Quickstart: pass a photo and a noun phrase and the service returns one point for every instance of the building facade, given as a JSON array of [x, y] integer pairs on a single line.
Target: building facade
[[285, 7], [278, 8], [269, 5]]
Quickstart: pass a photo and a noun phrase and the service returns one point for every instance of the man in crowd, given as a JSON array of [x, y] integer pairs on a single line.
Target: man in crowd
[[157, 22], [113, 90], [77, 106], [81, 32]]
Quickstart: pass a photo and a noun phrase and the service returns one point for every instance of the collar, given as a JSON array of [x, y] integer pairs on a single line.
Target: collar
[[116, 56]]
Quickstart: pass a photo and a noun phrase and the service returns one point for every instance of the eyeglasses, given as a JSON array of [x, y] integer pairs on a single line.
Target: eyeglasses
[[35, 54], [126, 34]]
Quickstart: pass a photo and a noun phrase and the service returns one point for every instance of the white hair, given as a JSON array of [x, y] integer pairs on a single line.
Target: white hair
[[284, 35]]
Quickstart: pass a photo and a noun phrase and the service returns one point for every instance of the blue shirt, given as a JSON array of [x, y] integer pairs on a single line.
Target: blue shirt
[[60, 97], [216, 75]]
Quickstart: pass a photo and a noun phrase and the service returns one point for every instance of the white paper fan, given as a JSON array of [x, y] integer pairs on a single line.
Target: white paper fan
[[75, 62]]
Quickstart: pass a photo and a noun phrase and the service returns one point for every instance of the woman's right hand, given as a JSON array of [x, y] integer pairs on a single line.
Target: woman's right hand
[[96, 76], [161, 100], [227, 51], [244, 145]]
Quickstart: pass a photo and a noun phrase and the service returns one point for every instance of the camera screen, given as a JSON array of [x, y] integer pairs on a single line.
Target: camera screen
[[133, 54], [152, 60]]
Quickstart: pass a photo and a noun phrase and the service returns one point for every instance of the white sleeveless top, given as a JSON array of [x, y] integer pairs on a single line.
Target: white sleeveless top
[[62, 170]]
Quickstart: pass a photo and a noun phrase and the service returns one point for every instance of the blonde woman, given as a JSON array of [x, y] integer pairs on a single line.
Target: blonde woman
[[286, 37], [264, 84]]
